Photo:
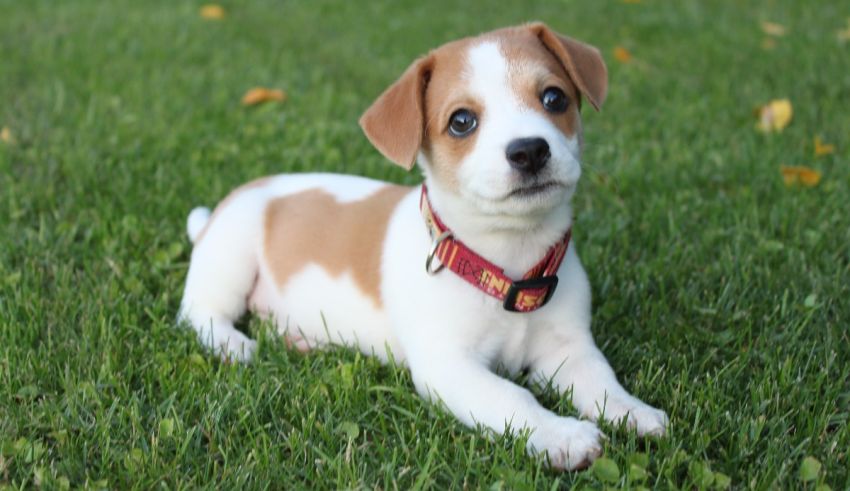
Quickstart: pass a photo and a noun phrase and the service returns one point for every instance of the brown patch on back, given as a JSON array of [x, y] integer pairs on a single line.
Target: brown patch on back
[[312, 227], [256, 183]]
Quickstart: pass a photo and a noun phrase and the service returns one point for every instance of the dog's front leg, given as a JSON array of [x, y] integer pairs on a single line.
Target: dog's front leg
[[475, 395], [574, 362]]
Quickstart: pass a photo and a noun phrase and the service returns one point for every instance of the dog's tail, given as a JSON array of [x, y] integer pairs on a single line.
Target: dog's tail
[[197, 222]]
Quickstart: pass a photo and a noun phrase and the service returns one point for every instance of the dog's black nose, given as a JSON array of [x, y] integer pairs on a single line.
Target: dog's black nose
[[528, 155]]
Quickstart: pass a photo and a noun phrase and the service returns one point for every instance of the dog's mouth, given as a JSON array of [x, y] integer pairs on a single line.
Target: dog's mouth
[[535, 189]]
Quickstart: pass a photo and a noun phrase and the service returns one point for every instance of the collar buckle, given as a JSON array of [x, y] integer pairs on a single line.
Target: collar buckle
[[548, 282]]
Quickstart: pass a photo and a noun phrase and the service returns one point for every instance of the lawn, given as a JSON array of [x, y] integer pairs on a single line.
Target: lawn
[[720, 294]]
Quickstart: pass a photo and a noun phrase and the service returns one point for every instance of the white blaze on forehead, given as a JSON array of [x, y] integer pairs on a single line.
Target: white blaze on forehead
[[488, 76], [504, 116]]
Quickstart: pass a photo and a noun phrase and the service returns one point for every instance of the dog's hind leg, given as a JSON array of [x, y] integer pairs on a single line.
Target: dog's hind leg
[[222, 273]]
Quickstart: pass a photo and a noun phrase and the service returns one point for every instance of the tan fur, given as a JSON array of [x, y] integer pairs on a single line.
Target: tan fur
[[531, 69], [256, 183], [582, 62], [394, 121], [311, 227], [445, 94], [414, 112]]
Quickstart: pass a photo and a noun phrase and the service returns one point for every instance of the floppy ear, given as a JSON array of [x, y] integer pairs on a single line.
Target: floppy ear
[[582, 62], [394, 123]]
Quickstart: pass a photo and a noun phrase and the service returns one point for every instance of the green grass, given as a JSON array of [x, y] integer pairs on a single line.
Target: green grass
[[720, 295]]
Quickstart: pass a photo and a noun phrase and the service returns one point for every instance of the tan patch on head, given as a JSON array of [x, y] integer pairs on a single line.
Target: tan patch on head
[[412, 115], [532, 69], [312, 227], [256, 183], [447, 92]]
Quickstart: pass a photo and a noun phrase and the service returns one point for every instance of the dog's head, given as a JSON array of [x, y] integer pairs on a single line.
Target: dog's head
[[493, 119]]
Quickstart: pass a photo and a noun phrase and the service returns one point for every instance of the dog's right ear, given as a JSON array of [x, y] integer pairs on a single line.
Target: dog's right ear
[[395, 122]]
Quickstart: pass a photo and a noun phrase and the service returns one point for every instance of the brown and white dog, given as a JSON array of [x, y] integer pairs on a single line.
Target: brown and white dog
[[493, 122]]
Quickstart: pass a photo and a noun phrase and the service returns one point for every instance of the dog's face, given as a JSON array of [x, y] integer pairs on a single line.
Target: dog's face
[[495, 118]]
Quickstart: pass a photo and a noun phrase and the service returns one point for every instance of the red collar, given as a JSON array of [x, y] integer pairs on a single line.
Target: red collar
[[532, 292]]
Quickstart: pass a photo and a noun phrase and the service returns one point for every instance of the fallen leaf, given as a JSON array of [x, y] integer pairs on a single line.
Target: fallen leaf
[[259, 95], [773, 29], [809, 177], [809, 469], [700, 473], [350, 429], [212, 12], [6, 135], [788, 175], [811, 301], [722, 481], [793, 174], [775, 115], [768, 43], [637, 473], [166, 427], [605, 470], [822, 148], [622, 55], [844, 34]]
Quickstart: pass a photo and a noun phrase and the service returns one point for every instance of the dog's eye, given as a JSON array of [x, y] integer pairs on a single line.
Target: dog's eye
[[462, 122], [554, 100]]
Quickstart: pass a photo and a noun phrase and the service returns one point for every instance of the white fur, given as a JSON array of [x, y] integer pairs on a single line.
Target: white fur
[[226, 263], [450, 334], [315, 309], [196, 222]]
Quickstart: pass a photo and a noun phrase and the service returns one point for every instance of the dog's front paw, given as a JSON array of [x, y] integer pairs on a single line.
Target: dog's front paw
[[569, 444], [236, 347], [645, 419]]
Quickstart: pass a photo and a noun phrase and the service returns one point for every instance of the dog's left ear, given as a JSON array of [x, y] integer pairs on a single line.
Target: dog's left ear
[[582, 62], [395, 122]]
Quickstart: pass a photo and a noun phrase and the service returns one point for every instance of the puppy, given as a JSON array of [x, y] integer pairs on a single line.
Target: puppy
[[471, 271]]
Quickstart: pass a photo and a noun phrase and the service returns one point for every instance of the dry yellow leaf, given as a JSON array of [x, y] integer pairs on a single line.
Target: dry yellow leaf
[[212, 12], [622, 55], [6, 135], [809, 177], [822, 148], [793, 174], [844, 34], [773, 29], [775, 115], [259, 95]]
